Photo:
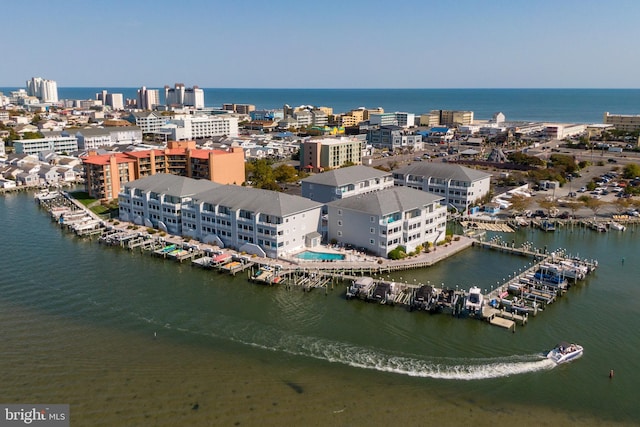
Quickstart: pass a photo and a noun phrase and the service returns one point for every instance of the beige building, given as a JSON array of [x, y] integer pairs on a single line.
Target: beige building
[[317, 155], [562, 131], [451, 118], [623, 122]]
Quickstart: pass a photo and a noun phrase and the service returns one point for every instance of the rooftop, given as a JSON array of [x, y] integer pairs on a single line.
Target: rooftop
[[385, 202], [344, 176]]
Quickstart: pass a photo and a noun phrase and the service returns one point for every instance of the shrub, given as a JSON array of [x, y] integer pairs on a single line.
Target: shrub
[[397, 253]]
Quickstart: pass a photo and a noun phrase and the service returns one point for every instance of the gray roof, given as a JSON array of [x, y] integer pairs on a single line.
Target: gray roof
[[344, 176], [443, 171], [172, 185], [384, 202], [257, 200], [232, 196]]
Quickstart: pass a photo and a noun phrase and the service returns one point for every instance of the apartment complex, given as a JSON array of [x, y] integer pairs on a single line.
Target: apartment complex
[[394, 138], [147, 121], [192, 127], [345, 182], [59, 144], [623, 122], [106, 173], [261, 222], [459, 186], [381, 221], [317, 155]]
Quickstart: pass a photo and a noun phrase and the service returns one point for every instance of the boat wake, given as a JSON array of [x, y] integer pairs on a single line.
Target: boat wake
[[413, 365]]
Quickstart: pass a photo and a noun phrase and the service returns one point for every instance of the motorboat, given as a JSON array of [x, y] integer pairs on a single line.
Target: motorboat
[[565, 352], [474, 300], [616, 226]]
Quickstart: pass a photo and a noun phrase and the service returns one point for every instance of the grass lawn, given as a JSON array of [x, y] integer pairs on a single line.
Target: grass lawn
[[94, 204], [83, 197]]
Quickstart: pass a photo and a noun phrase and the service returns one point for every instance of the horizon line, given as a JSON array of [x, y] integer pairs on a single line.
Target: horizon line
[[345, 88]]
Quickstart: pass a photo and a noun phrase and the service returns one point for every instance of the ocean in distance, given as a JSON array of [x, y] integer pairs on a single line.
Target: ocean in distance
[[79, 324], [552, 105]]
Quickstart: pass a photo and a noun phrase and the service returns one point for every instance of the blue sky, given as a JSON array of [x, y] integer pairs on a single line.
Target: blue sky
[[328, 44]]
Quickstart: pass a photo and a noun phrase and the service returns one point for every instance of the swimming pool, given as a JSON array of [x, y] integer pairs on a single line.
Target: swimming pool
[[320, 256]]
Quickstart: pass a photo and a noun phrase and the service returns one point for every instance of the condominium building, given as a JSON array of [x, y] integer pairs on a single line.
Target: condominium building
[[148, 99], [405, 120], [561, 131], [460, 187], [192, 127], [181, 96], [44, 90], [148, 121], [451, 118], [317, 155], [394, 138], [113, 100], [105, 173], [261, 222], [93, 138], [381, 221], [345, 182], [239, 108], [59, 144], [623, 122], [383, 119]]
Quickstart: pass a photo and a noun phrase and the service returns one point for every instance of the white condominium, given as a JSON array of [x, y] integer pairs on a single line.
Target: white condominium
[[192, 127], [44, 90], [148, 98], [180, 96]]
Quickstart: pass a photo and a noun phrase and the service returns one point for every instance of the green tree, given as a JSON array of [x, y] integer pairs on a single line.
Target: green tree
[[631, 170], [32, 135], [285, 173]]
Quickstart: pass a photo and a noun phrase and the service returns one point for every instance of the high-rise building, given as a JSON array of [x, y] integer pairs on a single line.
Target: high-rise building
[[113, 100], [44, 90], [148, 98], [180, 96]]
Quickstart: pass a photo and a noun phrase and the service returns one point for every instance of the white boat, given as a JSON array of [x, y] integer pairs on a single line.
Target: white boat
[[616, 226], [474, 300], [565, 352]]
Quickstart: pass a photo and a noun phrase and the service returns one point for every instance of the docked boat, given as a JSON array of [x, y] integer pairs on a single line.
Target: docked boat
[[565, 352], [474, 301], [547, 226], [616, 226]]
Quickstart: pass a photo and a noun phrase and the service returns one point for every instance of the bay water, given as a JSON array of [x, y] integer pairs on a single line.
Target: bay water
[[129, 339]]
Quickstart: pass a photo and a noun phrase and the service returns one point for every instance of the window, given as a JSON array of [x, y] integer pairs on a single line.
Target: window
[[339, 223], [339, 233], [339, 211], [372, 230]]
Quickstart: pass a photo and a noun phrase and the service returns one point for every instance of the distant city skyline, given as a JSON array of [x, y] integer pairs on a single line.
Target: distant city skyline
[[353, 44]]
